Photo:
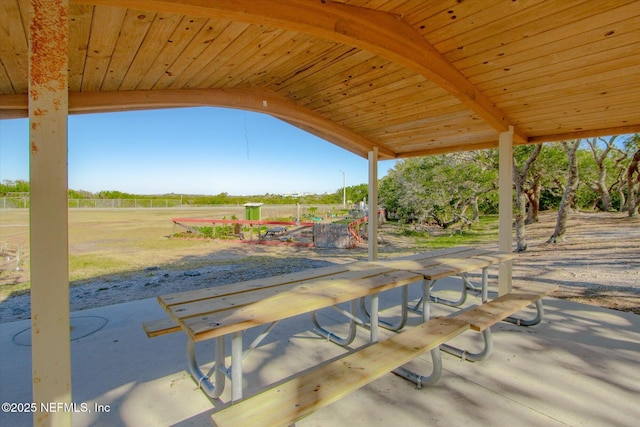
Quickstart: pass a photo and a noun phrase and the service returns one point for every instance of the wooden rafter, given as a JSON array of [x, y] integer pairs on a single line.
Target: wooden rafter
[[382, 33]]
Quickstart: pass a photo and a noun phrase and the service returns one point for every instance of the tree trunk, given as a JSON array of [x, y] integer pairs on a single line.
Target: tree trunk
[[600, 185], [634, 168], [569, 192], [533, 198], [521, 206], [476, 209], [519, 178]]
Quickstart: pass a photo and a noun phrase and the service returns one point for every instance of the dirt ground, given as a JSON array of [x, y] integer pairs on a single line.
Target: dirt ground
[[598, 264]]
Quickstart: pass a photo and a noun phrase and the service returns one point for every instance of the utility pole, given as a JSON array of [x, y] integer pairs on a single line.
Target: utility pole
[[344, 189]]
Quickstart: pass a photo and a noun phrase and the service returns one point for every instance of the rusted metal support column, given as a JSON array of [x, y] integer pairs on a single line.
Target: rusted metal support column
[[48, 110], [373, 205], [505, 201]]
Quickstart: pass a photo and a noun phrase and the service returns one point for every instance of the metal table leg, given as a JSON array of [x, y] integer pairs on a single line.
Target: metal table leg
[[529, 322], [213, 390], [353, 321], [388, 325], [472, 357], [424, 380], [236, 366]]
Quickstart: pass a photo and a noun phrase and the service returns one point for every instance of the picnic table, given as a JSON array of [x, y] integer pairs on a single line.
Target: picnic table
[[229, 310]]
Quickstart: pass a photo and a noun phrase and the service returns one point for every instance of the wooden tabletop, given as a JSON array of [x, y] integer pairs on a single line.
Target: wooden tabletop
[[448, 262], [220, 310], [212, 316]]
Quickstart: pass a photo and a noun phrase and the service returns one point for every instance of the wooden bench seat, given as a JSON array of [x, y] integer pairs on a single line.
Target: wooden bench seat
[[482, 316], [156, 328], [292, 400]]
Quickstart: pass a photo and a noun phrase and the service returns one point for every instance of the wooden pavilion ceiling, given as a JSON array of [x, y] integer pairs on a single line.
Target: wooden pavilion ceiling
[[410, 77]]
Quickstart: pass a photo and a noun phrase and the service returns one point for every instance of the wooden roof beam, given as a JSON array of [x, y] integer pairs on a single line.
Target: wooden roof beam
[[379, 32], [14, 106]]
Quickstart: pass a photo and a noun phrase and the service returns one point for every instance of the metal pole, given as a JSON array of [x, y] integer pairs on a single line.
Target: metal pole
[[344, 189]]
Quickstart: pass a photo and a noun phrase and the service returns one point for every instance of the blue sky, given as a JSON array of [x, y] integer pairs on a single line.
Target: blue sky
[[191, 151]]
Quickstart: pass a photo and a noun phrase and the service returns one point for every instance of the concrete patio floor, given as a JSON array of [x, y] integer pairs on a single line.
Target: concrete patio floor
[[579, 367]]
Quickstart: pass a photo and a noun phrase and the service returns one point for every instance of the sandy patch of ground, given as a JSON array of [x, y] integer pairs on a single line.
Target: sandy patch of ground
[[599, 264]]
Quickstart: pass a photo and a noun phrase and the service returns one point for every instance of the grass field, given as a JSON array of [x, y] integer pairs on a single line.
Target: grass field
[[110, 246], [123, 241], [108, 241]]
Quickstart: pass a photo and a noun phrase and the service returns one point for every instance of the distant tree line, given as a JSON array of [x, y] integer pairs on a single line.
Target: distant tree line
[[354, 194]]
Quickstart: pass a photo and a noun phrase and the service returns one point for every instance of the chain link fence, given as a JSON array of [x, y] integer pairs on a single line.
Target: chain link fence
[[23, 203]]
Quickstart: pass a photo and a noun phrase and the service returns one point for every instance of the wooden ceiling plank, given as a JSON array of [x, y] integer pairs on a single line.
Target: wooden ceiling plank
[[454, 114], [278, 69], [13, 48], [394, 6], [80, 17], [569, 88], [461, 17], [572, 78], [387, 86], [5, 81], [177, 42], [180, 72], [617, 56], [227, 58], [157, 37], [378, 118], [356, 71], [366, 29], [430, 142], [418, 14], [584, 95], [479, 140], [551, 41], [410, 112], [580, 88], [390, 94], [503, 18], [314, 74], [213, 46], [135, 27], [286, 68], [102, 43], [539, 27], [255, 63], [440, 130], [584, 55], [586, 116], [569, 121], [292, 79]]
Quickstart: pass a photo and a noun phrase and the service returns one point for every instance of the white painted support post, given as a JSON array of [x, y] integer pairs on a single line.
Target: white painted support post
[[48, 111], [505, 237], [373, 205]]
